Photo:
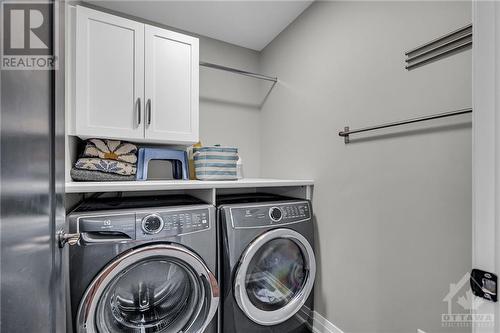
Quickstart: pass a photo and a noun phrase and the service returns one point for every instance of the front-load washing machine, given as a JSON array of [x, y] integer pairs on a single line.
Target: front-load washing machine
[[144, 264], [267, 263]]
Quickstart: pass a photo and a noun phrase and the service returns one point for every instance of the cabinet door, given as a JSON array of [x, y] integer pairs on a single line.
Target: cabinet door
[[171, 86], [109, 76]]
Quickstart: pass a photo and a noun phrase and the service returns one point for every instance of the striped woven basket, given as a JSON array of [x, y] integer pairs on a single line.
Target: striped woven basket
[[215, 163]]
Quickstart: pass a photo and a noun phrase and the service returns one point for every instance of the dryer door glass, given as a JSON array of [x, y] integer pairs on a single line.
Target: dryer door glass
[[157, 288], [275, 274]]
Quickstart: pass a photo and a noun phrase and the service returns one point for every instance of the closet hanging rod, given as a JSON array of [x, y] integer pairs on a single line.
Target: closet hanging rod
[[439, 55], [436, 48], [346, 132], [436, 40], [439, 48], [239, 71]]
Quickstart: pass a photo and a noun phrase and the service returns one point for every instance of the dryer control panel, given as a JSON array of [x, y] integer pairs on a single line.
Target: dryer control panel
[[266, 215]]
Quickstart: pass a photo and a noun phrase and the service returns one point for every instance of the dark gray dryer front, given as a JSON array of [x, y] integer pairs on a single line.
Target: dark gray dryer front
[[144, 265], [268, 264]]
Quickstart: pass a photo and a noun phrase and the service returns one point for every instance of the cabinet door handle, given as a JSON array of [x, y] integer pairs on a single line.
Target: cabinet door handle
[[148, 105], [138, 111]]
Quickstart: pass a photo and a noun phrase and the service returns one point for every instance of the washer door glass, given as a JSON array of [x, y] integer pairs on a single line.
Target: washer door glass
[[161, 288], [275, 274], [158, 295]]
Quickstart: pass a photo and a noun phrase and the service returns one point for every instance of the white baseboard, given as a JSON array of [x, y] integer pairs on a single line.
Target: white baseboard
[[322, 325], [319, 323]]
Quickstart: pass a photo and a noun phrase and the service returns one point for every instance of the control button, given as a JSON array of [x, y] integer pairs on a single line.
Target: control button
[[275, 214], [152, 224]]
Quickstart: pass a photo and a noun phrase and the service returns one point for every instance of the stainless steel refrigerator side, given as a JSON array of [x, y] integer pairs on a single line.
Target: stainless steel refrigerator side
[[31, 193], [60, 278]]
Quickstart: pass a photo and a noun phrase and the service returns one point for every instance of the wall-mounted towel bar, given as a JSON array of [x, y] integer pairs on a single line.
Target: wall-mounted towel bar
[[239, 71], [453, 42], [346, 132]]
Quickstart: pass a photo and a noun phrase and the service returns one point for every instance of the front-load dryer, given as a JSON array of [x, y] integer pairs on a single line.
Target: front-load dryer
[[145, 265], [268, 264]]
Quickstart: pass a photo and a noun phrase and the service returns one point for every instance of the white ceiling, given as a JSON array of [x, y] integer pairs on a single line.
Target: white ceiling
[[251, 24]]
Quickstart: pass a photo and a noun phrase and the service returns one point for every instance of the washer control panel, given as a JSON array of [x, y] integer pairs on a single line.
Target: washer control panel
[[269, 215], [172, 223]]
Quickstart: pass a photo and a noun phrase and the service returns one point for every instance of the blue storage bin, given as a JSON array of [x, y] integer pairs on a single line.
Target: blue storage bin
[[215, 163]]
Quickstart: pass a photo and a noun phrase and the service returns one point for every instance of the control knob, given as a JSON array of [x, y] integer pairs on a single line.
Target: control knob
[[275, 214], [152, 224]]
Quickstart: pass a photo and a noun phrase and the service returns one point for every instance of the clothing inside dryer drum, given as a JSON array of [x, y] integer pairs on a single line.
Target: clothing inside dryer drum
[[155, 295], [275, 274]]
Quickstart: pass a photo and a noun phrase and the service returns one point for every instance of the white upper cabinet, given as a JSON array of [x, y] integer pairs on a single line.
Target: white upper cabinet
[[109, 75], [171, 81], [134, 81]]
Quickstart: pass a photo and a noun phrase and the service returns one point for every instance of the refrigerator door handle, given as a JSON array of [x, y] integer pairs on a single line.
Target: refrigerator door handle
[[65, 238]]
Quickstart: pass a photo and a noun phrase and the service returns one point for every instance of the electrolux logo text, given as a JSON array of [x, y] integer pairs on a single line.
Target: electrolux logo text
[[28, 41]]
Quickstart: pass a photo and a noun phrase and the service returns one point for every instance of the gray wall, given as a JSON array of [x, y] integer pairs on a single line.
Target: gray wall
[[393, 208], [229, 103]]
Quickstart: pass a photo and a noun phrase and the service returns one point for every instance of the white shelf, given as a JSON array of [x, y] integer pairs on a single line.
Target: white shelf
[[162, 185]]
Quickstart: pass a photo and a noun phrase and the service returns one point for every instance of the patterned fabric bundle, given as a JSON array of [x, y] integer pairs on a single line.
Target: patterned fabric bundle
[[109, 166], [106, 160], [111, 150]]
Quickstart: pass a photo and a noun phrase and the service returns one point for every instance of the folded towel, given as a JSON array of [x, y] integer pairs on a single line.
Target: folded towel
[[86, 175], [111, 150], [108, 166]]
